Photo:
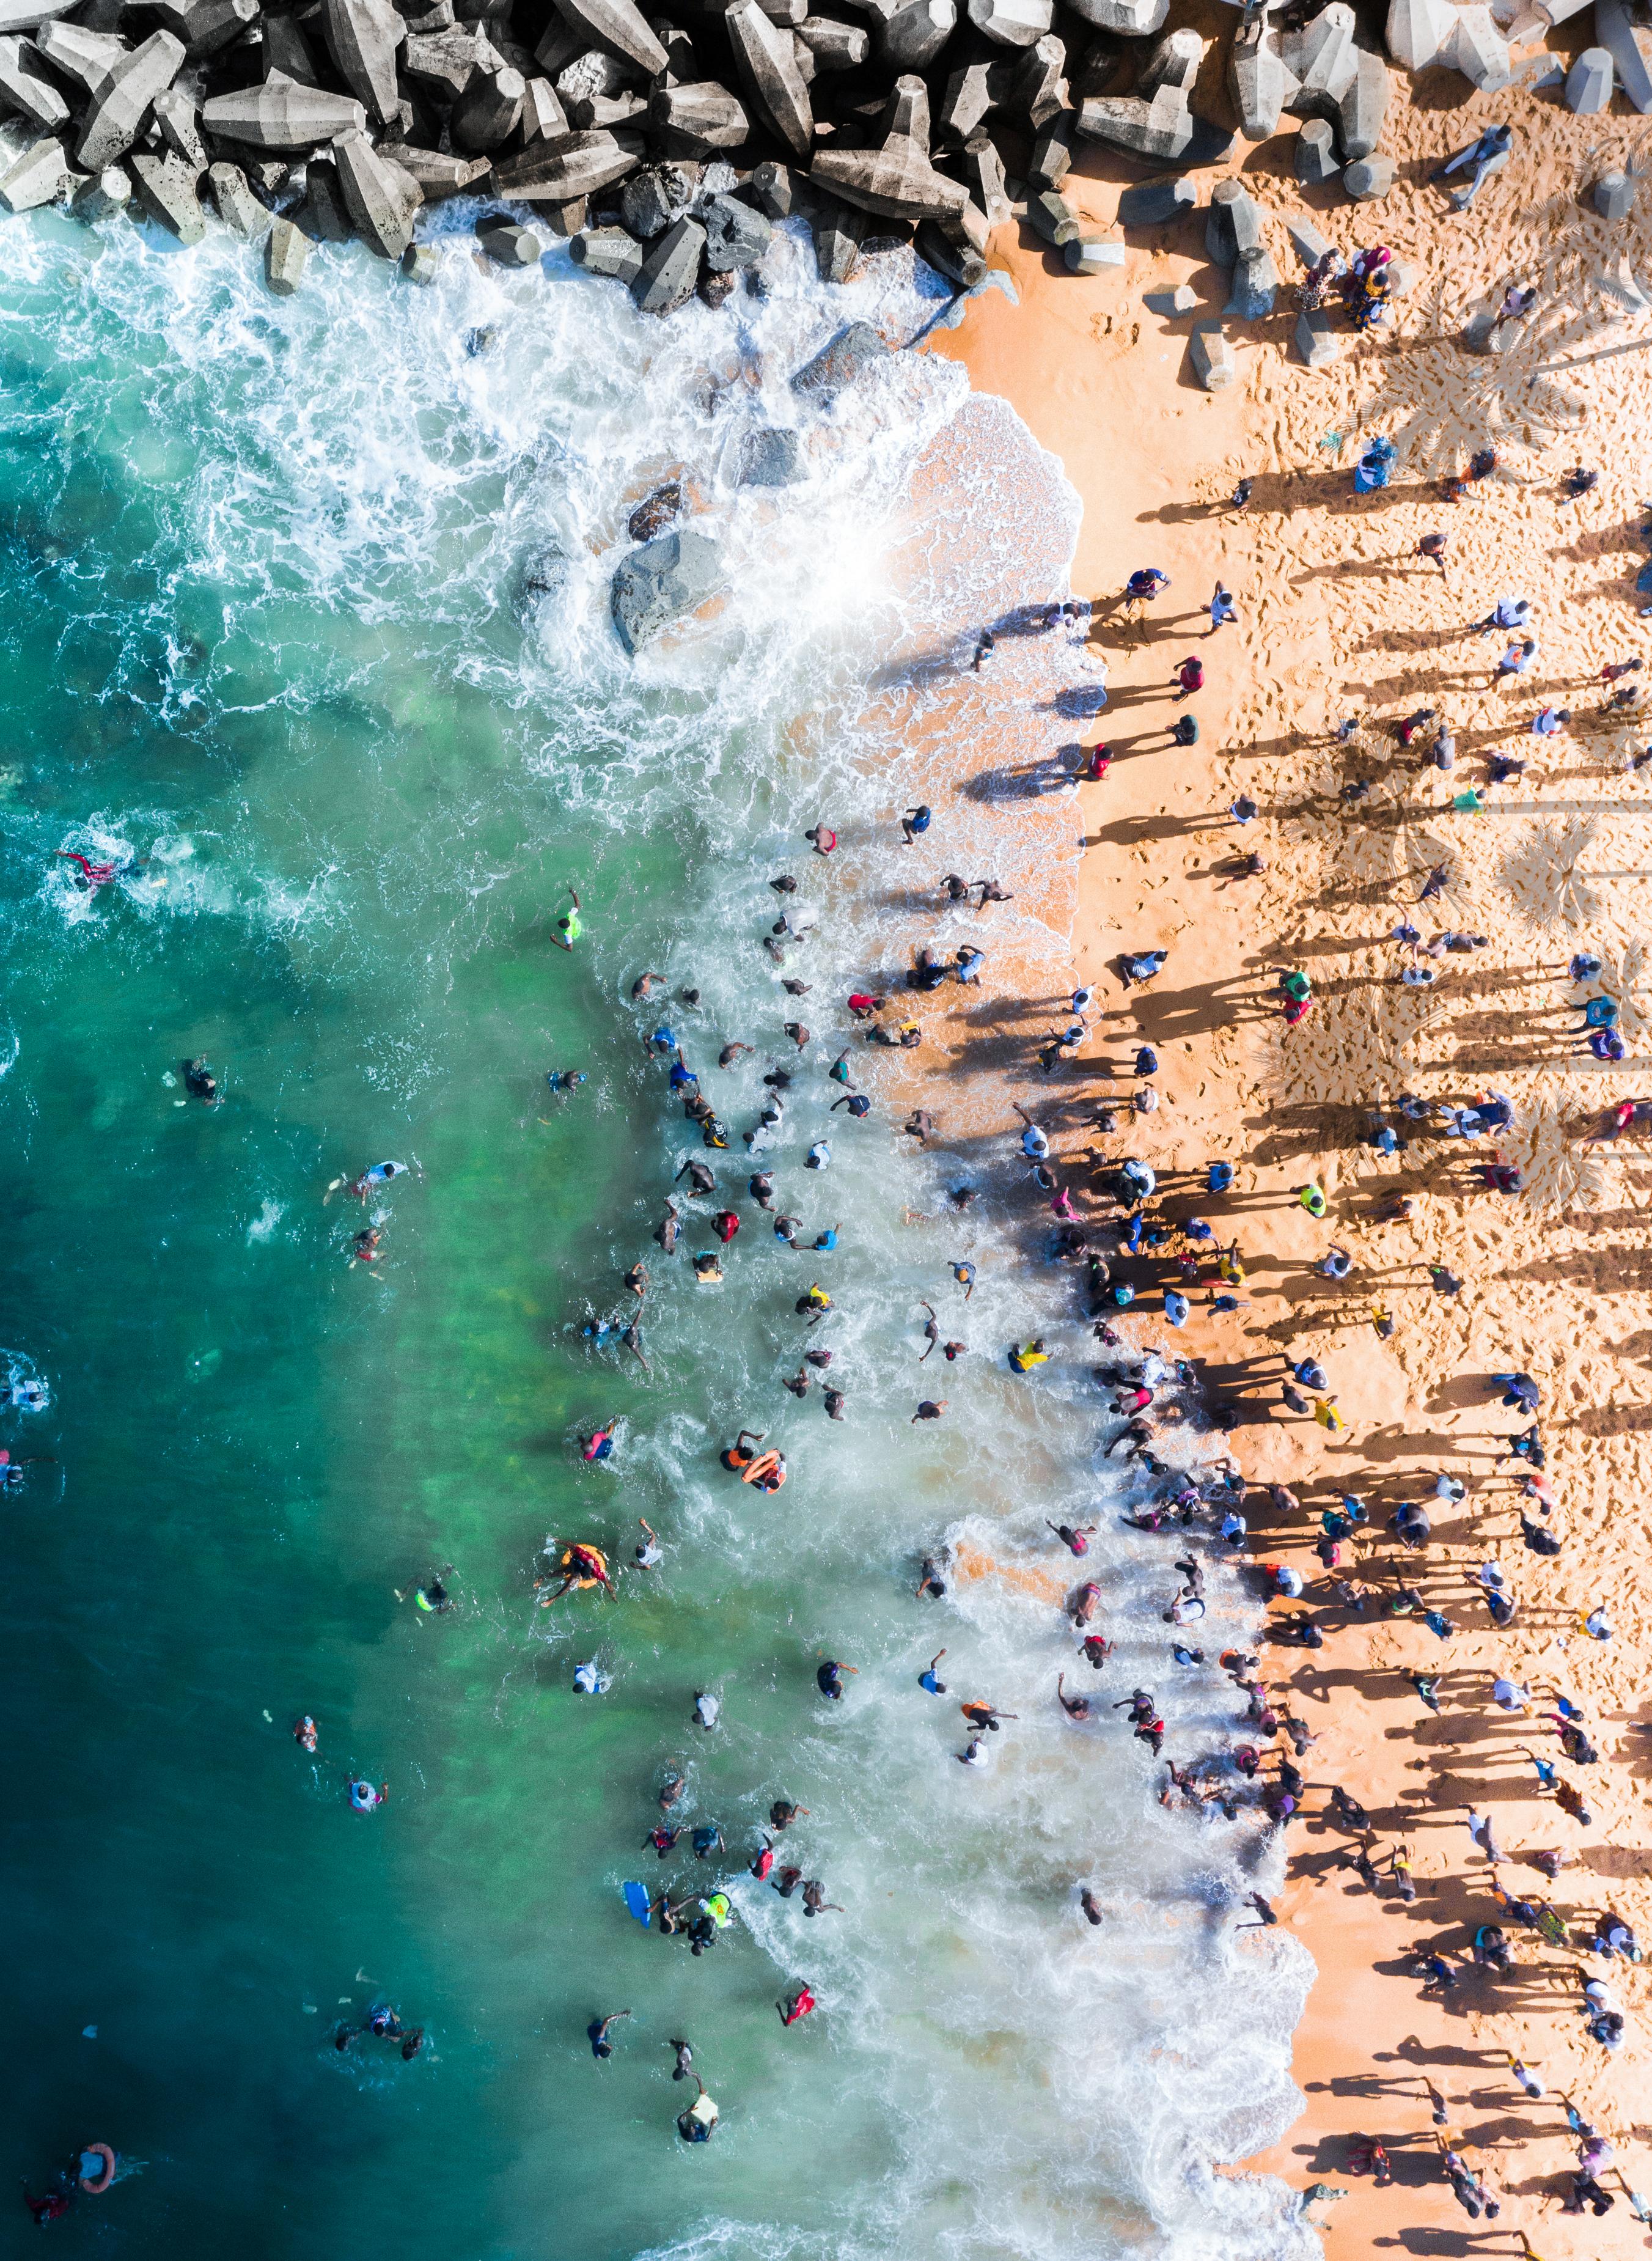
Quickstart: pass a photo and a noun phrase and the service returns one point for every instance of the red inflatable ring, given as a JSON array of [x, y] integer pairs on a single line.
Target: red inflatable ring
[[96, 2189]]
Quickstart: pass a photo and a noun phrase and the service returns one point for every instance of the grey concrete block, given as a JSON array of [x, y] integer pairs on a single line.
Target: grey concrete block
[[508, 245], [1051, 158], [39, 175], [608, 251], [84, 57], [489, 112], [544, 117], [281, 114], [1479, 50], [1134, 19], [1260, 83], [671, 268], [896, 181], [1615, 30], [1322, 58], [702, 115], [1212, 358], [176, 114], [286, 255], [1012, 23], [1173, 62], [618, 26], [983, 172], [28, 87], [561, 172], [768, 64], [1417, 31], [1316, 154], [834, 46], [1255, 283], [837, 230], [1051, 216], [238, 208], [1233, 226], [362, 36], [379, 197], [105, 195], [959, 263], [1089, 254], [1309, 243], [1612, 196], [1035, 87], [421, 263], [1589, 83], [438, 173], [322, 215], [1317, 341], [1364, 108], [1182, 300], [168, 190], [910, 39], [1368, 179], [444, 62], [207, 26], [1155, 203]]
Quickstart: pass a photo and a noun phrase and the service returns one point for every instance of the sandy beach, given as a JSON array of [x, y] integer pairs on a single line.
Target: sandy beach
[[1339, 619]]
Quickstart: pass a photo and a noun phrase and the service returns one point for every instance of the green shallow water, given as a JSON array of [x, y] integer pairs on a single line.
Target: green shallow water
[[264, 626]]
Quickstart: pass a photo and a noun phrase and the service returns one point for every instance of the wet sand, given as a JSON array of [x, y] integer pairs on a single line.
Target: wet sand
[[1340, 618]]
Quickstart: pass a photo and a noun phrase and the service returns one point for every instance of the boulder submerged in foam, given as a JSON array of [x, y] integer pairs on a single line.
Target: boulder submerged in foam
[[662, 583], [840, 361]]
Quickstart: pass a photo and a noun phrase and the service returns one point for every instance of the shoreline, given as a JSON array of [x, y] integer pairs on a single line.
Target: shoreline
[[1082, 361]]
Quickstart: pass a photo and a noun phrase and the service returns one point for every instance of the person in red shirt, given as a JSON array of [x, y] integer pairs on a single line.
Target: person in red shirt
[[799, 2006], [1190, 676]]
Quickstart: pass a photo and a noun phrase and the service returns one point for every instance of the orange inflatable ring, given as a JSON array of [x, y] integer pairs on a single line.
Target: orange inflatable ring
[[96, 2189]]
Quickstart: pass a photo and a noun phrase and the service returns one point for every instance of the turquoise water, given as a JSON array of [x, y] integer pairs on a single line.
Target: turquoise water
[[304, 612]]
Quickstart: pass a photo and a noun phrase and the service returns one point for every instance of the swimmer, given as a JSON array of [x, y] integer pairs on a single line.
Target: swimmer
[[698, 1174], [985, 1716], [739, 1454], [931, 1586], [829, 1678], [782, 1814], [1076, 1707], [1076, 1540], [1091, 1905], [365, 1247], [683, 2069], [799, 2006], [668, 1227], [93, 876], [568, 927], [707, 1710], [930, 1409], [200, 1083], [650, 1553], [599, 1446], [965, 1275], [565, 1079], [379, 1175], [365, 1798], [929, 1680], [822, 839], [305, 1731]]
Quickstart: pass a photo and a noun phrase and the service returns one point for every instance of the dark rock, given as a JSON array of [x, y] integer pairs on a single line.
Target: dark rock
[[717, 285], [771, 459], [654, 197], [655, 512], [837, 365], [662, 583], [735, 235]]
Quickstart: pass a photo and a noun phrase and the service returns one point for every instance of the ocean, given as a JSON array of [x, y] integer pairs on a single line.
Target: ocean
[[306, 629]]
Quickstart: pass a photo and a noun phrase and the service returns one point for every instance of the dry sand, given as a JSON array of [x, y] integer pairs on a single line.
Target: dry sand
[[1338, 617]]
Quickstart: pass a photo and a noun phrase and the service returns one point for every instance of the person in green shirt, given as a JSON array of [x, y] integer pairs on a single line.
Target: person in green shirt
[[569, 929]]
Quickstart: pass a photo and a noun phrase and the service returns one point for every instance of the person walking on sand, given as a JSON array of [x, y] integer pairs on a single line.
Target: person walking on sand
[[1189, 678], [914, 822], [1432, 549], [1222, 609]]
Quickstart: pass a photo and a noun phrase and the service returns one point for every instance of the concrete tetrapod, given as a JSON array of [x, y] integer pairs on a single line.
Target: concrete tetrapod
[[286, 255], [27, 86], [560, 172], [169, 188], [1135, 19], [362, 36], [619, 27], [1616, 33], [123, 95], [238, 208], [1012, 23], [703, 116], [39, 175], [671, 268], [380, 198], [767, 63], [1213, 359], [281, 114], [1589, 83]]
